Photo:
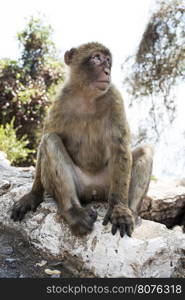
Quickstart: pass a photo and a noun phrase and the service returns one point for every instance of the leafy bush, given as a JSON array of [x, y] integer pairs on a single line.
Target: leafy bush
[[157, 68], [159, 61], [15, 149], [26, 85]]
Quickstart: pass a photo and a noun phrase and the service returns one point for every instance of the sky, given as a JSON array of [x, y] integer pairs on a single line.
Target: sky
[[118, 24]]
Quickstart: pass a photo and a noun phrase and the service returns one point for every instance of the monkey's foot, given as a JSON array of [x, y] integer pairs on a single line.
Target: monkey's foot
[[81, 220], [28, 202], [121, 217]]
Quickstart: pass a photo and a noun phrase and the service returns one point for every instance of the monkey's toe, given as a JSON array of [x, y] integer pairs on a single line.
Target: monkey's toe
[[93, 215], [18, 213]]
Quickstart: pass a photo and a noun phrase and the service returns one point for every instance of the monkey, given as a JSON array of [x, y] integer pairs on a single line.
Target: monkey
[[85, 151]]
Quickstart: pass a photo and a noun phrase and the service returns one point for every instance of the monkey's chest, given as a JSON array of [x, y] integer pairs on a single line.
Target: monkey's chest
[[88, 148]]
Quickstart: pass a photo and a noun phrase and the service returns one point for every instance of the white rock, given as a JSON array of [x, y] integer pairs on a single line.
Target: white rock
[[4, 162], [153, 250]]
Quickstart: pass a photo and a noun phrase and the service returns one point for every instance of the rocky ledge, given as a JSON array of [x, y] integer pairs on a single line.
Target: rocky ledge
[[152, 251]]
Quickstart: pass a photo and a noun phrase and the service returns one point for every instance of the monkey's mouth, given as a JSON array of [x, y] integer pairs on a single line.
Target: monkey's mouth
[[102, 84]]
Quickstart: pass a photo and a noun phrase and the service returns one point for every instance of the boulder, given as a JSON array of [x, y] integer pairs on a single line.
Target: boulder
[[165, 202], [152, 251]]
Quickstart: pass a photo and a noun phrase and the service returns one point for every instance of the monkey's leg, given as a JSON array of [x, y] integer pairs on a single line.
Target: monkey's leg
[[140, 177], [60, 180], [31, 200]]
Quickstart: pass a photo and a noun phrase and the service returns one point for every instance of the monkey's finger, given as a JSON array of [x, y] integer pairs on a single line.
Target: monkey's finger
[[16, 215], [114, 228], [129, 229], [106, 219], [22, 211], [122, 228], [87, 222], [93, 214], [89, 219]]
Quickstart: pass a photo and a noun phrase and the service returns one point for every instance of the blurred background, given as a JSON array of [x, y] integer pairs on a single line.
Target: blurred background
[[147, 40]]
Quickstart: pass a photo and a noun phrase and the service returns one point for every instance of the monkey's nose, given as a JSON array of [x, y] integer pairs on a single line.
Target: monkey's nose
[[107, 71]]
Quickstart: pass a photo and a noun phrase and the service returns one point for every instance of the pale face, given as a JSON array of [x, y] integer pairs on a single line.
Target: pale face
[[101, 64]]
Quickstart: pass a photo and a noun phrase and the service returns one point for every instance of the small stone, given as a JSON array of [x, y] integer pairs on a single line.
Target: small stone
[[52, 272], [42, 263], [4, 184]]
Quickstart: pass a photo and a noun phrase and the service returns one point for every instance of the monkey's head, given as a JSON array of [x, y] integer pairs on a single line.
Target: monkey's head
[[90, 66]]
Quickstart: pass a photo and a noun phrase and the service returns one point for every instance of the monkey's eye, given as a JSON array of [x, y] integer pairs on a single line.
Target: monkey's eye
[[97, 56], [109, 61], [96, 59]]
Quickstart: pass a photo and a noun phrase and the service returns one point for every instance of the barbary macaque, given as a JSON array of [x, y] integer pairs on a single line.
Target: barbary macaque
[[85, 151]]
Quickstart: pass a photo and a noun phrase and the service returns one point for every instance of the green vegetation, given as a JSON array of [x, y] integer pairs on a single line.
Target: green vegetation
[[15, 149], [27, 85]]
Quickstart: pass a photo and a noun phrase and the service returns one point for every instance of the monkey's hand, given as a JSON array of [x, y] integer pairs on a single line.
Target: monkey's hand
[[121, 217], [28, 202]]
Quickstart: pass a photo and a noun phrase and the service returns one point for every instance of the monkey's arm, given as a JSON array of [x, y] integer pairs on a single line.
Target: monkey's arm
[[120, 166]]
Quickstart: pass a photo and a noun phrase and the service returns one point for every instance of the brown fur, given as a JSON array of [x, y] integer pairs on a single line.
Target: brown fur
[[85, 151]]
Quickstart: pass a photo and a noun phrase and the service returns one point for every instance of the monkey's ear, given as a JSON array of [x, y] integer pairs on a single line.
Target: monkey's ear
[[69, 55]]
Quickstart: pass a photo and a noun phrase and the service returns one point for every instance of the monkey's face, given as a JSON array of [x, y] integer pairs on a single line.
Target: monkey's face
[[99, 70], [90, 66]]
